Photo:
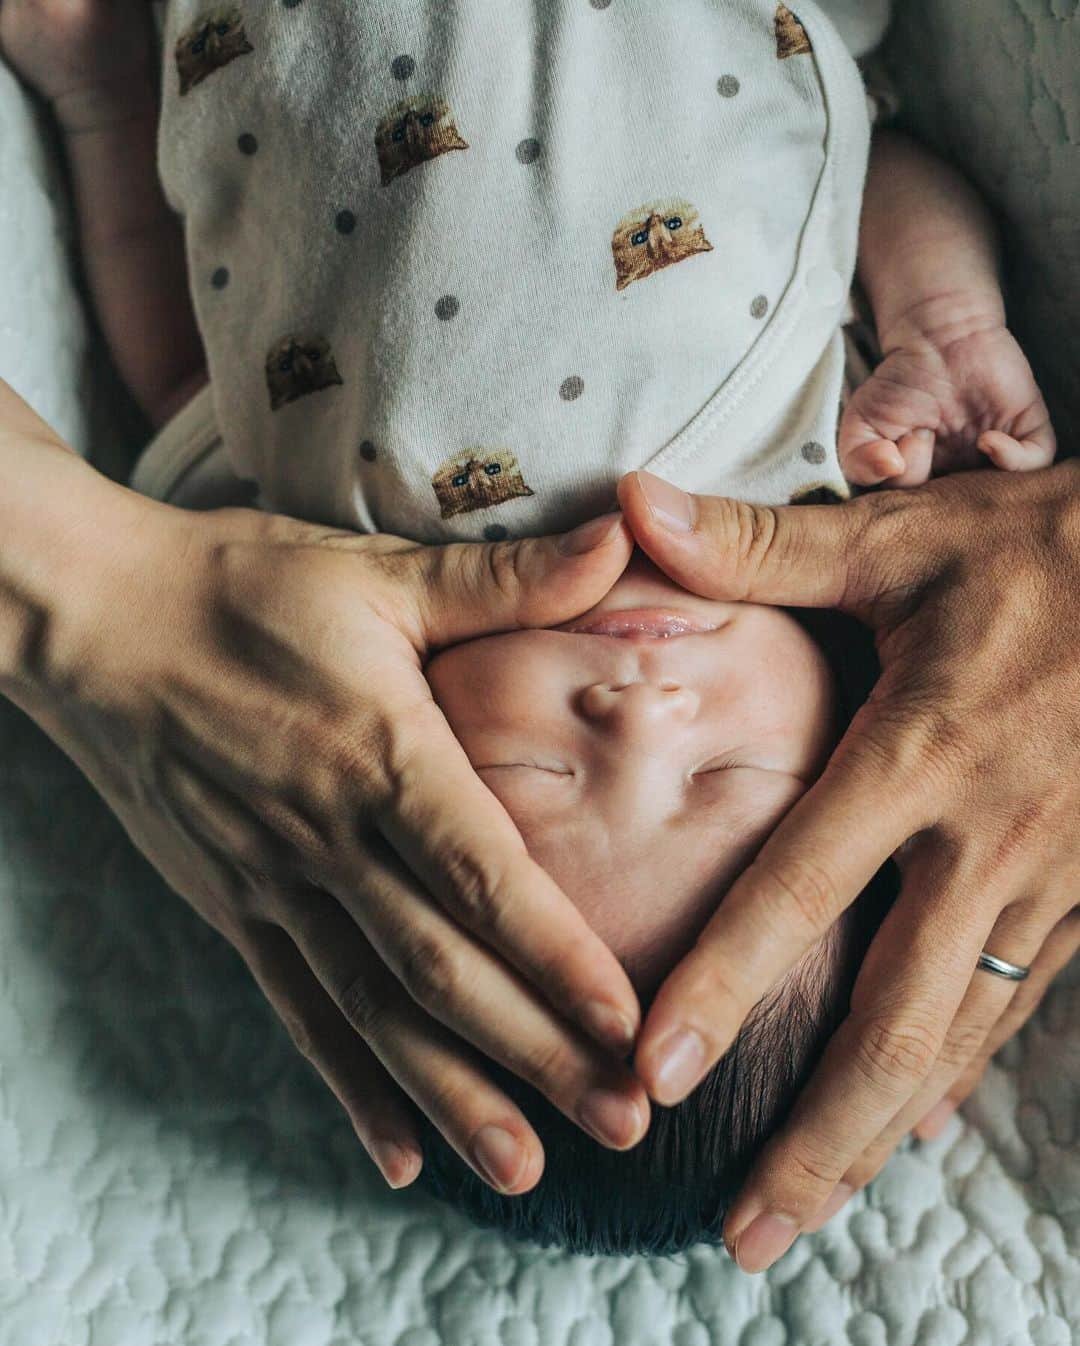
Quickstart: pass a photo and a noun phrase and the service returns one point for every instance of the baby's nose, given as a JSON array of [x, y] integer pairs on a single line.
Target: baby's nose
[[638, 703]]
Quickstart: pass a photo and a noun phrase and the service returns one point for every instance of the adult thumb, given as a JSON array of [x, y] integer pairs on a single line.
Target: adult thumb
[[477, 588], [795, 555]]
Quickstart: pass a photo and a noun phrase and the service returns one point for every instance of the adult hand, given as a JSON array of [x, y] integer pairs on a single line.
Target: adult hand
[[246, 692], [968, 751]]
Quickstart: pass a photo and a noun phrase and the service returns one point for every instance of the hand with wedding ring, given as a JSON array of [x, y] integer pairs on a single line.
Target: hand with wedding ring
[[965, 760]]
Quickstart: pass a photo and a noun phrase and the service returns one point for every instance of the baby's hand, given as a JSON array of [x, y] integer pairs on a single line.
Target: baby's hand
[[78, 54], [940, 400]]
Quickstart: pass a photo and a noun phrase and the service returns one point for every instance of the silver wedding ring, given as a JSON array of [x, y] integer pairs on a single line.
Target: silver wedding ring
[[1013, 971]]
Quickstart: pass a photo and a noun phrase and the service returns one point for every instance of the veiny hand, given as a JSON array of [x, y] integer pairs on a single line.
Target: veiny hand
[[246, 692], [953, 389], [968, 750]]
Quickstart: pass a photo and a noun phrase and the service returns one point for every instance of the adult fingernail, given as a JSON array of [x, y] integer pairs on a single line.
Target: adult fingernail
[[394, 1161], [669, 506], [935, 1120], [842, 1194], [497, 1153], [589, 536], [764, 1241], [612, 1118], [682, 1063], [609, 1026]]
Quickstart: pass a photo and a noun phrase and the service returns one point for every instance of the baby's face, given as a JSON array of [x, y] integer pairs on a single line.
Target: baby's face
[[645, 750]]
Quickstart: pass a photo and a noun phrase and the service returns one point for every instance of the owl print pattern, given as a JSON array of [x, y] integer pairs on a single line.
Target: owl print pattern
[[477, 480], [297, 366], [213, 40], [412, 132], [792, 38], [656, 235]]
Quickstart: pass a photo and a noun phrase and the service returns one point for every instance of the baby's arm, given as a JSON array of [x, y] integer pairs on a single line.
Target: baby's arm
[[93, 61], [953, 383]]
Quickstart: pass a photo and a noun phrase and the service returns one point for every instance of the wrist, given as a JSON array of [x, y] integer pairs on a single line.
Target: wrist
[[108, 103], [941, 320], [60, 523]]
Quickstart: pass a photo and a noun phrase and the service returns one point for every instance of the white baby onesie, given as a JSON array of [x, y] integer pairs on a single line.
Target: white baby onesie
[[460, 265]]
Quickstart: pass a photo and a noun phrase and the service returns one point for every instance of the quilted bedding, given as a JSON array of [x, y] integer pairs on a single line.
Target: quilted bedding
[[171, 1172]]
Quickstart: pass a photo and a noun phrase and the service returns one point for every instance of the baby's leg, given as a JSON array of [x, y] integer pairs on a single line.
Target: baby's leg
[[94, 62]]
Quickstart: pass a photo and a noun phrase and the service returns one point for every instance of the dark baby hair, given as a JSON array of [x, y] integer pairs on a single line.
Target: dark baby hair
[[672, 1190]]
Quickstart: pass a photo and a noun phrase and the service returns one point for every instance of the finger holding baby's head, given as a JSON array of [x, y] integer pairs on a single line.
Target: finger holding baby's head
[[471, 589], [801, 554]]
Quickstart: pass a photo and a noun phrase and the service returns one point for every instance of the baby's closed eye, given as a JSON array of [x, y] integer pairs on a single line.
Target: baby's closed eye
[[551, 769]]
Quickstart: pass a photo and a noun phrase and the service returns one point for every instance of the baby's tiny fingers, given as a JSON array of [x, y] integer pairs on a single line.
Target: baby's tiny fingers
[[917, 450], [376, 1105], [1015, 455], [871, 464]]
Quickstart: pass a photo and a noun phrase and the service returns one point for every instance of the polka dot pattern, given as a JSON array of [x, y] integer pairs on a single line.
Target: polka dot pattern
[[527, 151]]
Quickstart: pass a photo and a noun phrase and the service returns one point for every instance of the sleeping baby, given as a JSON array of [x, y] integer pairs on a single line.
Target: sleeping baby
[[458, 267]]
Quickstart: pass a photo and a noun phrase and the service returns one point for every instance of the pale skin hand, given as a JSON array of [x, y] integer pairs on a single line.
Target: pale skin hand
[[246, 692], [953, 391], [954, 388], [967, 756], [94, 63]]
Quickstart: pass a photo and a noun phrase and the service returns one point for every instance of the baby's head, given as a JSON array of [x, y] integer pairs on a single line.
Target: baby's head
[[645, 752]]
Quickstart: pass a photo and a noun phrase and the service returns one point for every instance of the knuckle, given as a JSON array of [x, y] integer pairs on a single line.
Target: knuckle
[[813, 1173], [543, 1065], [257, 860], [962, 1042], [364, 1011], [432, 974], [480, 893], [868, 1166], [754, 531], [891, 1053], [348, 758], [506, 569], [878, 523], [451, 1102], [301, 1032], [799, 885], [939, 732], [718, 1001]]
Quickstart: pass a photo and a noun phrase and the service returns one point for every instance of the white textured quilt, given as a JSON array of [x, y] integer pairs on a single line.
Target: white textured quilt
[[171, 1172]]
